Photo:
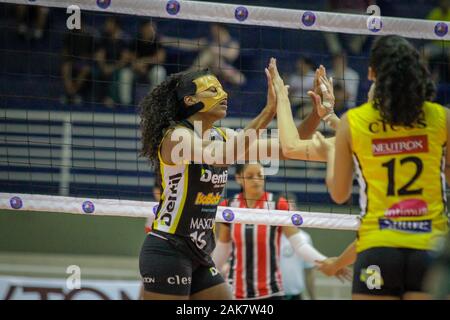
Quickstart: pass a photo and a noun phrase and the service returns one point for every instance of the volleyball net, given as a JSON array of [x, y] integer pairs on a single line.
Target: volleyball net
[[69, 124]]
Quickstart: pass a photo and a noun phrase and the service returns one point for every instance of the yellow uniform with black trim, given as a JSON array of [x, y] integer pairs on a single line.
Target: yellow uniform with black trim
[[187, 209], [400, 171]]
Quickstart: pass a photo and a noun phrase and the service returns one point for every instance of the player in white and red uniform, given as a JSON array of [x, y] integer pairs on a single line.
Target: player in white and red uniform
[[255, 249]]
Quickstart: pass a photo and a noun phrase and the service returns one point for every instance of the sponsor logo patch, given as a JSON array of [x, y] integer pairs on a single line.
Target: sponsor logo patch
[[308, 18], [216, 179], [166, 215], [297, 219], [421, 226], [407, 208], [228, 215], [16, 202], [207, 199], [404, 145]]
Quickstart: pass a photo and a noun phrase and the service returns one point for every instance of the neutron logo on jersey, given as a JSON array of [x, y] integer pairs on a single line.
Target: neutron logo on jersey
[[16, 203], [228, 215], [407, 208], [104, 4], [88, 207], [403, 145], [296, 219], [172, 185], [420, 226], [173, 7], [241, 13], [308, 18], [441, 29], [219, 180]]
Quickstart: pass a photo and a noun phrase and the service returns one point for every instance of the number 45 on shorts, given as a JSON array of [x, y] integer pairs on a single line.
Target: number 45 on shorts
[[197, 238]]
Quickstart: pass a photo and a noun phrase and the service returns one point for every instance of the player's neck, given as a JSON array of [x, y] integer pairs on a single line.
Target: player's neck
[[251, 199], [200, 122]]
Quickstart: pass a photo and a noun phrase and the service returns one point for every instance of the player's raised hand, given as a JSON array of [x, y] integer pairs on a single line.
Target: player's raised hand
[[322, 95], [271, 94], [278, 82]]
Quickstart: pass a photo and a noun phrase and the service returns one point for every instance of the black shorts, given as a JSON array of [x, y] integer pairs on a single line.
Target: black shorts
[[390, 271], [166, 270]]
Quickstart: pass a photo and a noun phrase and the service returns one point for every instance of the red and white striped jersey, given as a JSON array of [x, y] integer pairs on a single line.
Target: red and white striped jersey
[[255, 259]]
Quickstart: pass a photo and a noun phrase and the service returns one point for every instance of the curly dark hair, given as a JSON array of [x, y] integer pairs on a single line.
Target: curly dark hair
[[403, 81], [158, 111]]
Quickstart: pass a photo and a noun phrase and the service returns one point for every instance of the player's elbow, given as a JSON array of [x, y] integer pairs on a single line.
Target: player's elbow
[[339, 197], [289, 150]]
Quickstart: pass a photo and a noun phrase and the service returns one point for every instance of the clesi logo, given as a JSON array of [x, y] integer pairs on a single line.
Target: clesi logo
[[407, 208], [209, 199], [177, 280], [405, 145]]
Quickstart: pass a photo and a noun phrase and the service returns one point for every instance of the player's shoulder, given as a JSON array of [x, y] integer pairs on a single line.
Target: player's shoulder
[[433, 105], [435, 111], [368, 105]]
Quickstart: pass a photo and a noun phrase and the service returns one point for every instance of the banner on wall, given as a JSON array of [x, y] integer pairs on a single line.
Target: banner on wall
[[25, 288]]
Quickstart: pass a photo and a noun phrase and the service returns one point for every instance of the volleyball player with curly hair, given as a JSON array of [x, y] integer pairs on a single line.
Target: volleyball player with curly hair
[[178, 132], [397, 144]]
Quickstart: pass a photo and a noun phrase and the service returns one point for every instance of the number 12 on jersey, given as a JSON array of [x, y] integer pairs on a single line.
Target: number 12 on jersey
[[405, 190]]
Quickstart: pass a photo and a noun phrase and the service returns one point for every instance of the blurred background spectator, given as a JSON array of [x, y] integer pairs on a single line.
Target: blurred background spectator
[[337, 43], [300, 82], [77, 65], [219, 55], [346, 76], [114, 75], [341, 99], [149, 56], [32, 21]]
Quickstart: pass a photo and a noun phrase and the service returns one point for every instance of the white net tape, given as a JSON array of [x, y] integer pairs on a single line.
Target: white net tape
[[261, 16], [127, 208]]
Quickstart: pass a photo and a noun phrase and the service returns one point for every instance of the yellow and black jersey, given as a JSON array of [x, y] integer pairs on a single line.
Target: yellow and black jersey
[[190, 196], [400, 171]]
